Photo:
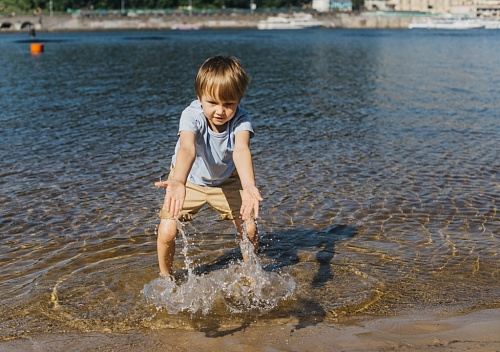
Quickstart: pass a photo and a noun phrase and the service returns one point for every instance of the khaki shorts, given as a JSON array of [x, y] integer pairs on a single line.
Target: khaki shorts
[[225, 198]]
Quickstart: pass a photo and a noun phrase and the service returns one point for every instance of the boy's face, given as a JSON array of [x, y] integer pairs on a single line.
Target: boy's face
[[218, 112]]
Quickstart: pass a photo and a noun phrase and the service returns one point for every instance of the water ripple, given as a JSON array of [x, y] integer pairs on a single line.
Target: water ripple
[[376, 152]]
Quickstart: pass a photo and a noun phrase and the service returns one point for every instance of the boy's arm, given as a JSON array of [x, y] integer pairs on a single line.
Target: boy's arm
[[242, 157], [176, 187]]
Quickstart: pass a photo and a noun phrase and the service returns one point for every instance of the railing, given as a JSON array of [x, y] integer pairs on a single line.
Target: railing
[[185, 11]]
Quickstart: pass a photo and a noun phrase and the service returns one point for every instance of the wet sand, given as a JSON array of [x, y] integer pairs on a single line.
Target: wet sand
[[478, 331]]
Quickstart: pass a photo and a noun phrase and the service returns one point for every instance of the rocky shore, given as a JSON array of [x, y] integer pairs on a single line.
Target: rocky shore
[[95, 21]]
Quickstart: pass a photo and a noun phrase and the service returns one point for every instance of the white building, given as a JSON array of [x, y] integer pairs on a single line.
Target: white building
[[321, 5], [435, 6]]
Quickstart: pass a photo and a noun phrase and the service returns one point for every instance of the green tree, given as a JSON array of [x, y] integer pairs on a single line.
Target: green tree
[[358, 4], [63, 5]]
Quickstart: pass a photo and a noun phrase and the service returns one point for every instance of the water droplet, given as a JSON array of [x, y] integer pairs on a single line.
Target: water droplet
[[241, 287]]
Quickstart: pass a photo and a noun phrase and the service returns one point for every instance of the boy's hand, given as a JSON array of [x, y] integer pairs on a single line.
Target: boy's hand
[[250, 199], [176, 193]]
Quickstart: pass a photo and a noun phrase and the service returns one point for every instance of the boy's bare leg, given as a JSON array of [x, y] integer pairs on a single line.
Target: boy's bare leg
[[251, 232], [167, 233]]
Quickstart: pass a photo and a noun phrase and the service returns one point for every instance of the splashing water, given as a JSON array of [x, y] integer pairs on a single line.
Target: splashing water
[[241, 287]]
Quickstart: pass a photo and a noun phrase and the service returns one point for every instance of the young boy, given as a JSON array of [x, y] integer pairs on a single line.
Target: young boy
[[212, 161]]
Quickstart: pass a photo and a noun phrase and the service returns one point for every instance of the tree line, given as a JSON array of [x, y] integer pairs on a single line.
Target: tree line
[[63, 5], [27, 6]]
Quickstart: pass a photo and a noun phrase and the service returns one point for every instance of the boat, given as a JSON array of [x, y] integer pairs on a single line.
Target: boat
[[449, 22], [285, 21], [187, 27], [491, 24], [421, 23]]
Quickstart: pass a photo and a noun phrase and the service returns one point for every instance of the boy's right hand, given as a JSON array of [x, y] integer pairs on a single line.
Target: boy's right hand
[[175, 195]]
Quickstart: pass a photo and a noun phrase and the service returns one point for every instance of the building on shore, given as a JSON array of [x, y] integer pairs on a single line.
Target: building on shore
[[487, 8], [332, 5]]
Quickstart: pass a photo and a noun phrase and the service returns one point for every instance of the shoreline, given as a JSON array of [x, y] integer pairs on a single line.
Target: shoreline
[[97, 22], [478, 331]]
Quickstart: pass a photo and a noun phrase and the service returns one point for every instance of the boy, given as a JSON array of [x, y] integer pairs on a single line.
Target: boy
[[212, 161]]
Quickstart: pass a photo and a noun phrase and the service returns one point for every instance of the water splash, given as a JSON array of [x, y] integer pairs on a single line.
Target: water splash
[[241, 287]]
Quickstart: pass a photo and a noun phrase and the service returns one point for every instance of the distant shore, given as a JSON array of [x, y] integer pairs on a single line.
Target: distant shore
[[95, 21]]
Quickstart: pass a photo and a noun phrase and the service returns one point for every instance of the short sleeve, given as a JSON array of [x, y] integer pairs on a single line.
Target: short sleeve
[[243, 123], [189, 121]]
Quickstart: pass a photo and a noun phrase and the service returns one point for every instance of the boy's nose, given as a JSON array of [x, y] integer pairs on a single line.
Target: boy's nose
[[219, 110]]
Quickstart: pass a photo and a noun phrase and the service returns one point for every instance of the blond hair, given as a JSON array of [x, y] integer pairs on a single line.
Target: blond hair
[[222, 77]]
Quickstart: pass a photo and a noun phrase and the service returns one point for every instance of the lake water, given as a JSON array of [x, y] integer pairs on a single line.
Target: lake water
[[377, 153]]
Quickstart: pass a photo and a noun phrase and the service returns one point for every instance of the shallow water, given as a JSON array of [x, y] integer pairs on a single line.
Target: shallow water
[[241, 287], [376, 152]]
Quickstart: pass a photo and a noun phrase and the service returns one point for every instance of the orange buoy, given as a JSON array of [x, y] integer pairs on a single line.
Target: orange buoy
[[36, 48]]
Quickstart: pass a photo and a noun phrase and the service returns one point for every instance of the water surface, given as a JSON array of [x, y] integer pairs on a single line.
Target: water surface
[[376, 152]]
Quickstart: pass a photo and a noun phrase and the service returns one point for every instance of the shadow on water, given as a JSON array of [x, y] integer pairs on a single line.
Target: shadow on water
[[309, 311], [146, 38], [213, 328], [36, 40], [282, 248]]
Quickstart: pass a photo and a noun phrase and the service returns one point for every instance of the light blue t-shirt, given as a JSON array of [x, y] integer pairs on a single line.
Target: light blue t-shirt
[[214, 151]]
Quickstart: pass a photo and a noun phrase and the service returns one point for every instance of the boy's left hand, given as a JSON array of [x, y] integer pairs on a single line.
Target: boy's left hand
[[250, 199]]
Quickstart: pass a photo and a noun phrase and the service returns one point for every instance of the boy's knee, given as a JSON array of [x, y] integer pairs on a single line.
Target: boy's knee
[[167, 231]]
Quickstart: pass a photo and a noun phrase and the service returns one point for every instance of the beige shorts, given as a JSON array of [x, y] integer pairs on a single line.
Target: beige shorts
[[225, 198]]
